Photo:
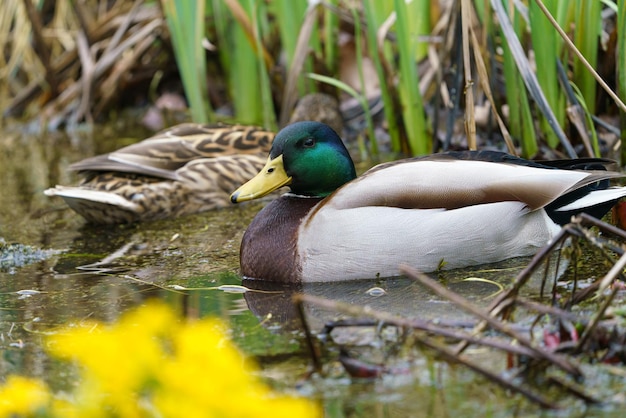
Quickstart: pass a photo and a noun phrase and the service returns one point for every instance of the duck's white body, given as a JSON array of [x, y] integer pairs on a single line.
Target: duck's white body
[[427, 239], [484, 212]]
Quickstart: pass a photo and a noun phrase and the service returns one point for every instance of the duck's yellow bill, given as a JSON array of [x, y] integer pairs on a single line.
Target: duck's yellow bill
[[270, 178]]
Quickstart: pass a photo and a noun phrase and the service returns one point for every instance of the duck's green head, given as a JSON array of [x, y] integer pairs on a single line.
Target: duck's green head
[[309, 157]]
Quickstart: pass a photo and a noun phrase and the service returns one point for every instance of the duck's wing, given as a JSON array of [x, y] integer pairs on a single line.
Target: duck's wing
[[163, 154], [451, 183], [503, 157], [96, 206], [204, 184]]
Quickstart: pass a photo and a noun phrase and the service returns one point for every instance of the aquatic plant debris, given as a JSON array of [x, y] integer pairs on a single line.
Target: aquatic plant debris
[[19, 255], [227, 288]]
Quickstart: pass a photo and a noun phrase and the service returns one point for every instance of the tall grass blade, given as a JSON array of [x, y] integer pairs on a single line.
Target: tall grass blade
[[373, 13], [588, 26], [289, 16], [359, 61], [331, 31], [583, 60], [521, 121], [418, 15], [530, 80], [547, 48], [290, 94], [243, 54], [259, 11], [413, 109], [185, 20]]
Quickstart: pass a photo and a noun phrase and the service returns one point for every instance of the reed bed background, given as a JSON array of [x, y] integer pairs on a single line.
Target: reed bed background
[[540, 78]]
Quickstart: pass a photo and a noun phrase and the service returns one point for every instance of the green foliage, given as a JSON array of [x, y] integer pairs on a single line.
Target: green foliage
[[520, 116], [185, 20], [588, 27], [243, 32], [239, 29], [403, 104], [412, 107], [289, 15], [251, 59], [374, 15], [547, 47]]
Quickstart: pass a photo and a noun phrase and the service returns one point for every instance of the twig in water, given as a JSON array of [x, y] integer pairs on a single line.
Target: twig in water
[[494, 323], [445, 352], [313, 349]]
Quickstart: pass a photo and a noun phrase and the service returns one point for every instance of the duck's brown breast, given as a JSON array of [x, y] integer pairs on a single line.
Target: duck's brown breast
[[269, 245]]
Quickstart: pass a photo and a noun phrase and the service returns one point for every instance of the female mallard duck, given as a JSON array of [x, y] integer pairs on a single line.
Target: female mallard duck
[[187, 169], [452, 210]]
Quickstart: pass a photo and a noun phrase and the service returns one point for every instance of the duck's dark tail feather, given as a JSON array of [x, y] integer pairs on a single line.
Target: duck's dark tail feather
[[587, 200]]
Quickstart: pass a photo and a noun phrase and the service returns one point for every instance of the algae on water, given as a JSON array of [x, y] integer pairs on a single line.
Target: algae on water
[[19, 255]]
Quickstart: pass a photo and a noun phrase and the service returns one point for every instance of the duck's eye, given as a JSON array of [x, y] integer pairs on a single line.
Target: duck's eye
[[270, 170], [309, 143]]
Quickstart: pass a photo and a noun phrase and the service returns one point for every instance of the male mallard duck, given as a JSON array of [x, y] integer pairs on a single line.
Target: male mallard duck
[[187, 169], [453, 209]]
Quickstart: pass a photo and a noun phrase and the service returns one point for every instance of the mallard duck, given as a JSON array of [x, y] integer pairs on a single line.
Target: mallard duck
[[186, 169], [447, 210]]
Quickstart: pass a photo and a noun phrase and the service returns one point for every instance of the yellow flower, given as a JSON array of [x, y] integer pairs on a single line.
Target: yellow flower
[[149, 365], [207, 373], [118, 361], [22, 396]]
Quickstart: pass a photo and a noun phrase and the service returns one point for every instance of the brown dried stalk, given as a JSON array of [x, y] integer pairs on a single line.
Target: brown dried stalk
[[500, 326], [445, 352]]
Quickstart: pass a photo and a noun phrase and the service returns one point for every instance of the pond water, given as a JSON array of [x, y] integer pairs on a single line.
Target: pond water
[[101, 272]]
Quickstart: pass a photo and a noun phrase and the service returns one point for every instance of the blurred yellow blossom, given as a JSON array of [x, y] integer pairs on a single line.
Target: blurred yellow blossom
[[22, 396], [117, 360], [149, 364], [221, 377]]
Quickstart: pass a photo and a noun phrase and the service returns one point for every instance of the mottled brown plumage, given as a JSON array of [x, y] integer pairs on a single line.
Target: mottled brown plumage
[[189, 168]]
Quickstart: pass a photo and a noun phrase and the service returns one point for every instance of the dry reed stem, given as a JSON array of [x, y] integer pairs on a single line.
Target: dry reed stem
[[483, 76], [442, 350], [297, 63], [500, 326], [125, 30], [470, 122], [40, 47]]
